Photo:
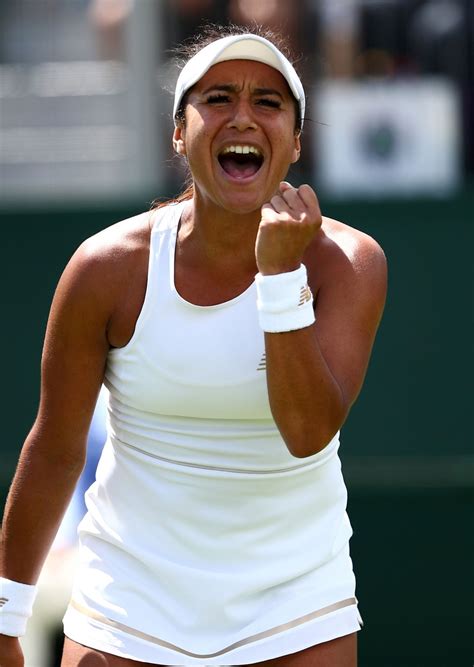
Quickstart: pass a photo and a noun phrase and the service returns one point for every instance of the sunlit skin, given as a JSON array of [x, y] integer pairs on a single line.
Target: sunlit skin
[[232, 228], [242, 102], [340, 652], [230, 223]]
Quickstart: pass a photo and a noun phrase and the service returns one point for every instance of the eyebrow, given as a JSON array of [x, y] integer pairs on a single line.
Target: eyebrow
[[232, 88], [267, 91]]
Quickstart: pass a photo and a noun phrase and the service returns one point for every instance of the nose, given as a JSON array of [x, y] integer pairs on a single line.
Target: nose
[[242, 118]]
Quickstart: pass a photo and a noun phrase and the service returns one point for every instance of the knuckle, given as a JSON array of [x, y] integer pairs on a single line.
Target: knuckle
[[269, 217], [306, 189]]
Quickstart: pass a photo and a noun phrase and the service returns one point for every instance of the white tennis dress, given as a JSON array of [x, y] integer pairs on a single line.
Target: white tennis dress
[[206, 542]]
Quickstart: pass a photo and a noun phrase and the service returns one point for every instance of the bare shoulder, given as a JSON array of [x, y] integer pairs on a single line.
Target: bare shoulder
[[361, 250], [117, 243], [111, 256], [343, 253], [81, 328], [105, 280]]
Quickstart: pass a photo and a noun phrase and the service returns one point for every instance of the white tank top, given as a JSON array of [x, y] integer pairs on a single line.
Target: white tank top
[[202, 530]]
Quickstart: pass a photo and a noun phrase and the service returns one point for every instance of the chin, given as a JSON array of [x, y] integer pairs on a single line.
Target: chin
[[242, 205]]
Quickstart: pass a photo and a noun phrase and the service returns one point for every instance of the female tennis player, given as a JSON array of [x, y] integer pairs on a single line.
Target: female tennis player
[[232, 328]]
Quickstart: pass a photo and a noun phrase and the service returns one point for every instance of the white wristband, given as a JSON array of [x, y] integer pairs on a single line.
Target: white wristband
[[16, 604], [284, 301]]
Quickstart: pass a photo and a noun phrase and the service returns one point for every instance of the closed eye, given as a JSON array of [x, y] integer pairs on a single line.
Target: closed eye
[[266, 102], [218, 98]]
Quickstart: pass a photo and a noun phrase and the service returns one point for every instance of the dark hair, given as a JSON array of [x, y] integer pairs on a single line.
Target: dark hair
[[207, 34]]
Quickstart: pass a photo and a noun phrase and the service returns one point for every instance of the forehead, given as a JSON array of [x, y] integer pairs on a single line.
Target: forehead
[[244, 73]]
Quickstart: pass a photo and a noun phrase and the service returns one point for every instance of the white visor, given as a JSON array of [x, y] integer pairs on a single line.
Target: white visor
[[238, 47]]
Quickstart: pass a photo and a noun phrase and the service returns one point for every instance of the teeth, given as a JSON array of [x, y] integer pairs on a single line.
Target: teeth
[[241, 149]]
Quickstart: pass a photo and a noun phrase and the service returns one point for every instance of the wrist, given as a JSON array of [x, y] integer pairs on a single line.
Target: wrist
[[277, 270], [284, 301], [16, 604]]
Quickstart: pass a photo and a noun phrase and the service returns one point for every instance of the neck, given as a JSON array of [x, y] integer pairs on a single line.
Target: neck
[[217, 235]]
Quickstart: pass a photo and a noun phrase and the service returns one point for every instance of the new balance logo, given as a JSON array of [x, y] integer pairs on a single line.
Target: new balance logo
[[3, 601], [263, 363], [305, 295]]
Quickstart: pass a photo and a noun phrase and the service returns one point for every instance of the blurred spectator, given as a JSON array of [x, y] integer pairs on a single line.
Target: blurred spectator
[[339, 35], [33, 31], [437, 39], [277, 15], [108, 18], [182, 17], [341, 39]]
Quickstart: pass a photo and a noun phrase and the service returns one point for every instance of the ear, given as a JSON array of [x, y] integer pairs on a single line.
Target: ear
[[179, 142], [297, 149]]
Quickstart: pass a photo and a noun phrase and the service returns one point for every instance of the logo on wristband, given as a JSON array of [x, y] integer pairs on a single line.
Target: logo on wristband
[[305, 295], [3, 601]]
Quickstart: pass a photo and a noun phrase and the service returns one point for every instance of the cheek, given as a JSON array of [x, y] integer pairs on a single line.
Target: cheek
[[196, 133], [198, 151], [285, 146], [197, 147]]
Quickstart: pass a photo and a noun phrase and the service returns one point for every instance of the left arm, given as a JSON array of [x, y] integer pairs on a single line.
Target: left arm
[[314, 374]]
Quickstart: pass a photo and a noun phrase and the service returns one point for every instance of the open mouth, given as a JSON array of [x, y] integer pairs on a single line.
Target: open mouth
[[240, 161]]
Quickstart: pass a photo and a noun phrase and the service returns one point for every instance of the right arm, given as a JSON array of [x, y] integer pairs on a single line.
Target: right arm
[[53, 455]]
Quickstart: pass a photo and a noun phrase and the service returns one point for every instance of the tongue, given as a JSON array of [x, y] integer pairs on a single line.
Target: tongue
[[239, 168]]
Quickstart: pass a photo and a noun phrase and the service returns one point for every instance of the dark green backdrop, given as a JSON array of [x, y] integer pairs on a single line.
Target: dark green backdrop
[[407, 447]]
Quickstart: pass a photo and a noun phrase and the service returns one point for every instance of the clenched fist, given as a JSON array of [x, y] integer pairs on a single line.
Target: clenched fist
[[289, 222]]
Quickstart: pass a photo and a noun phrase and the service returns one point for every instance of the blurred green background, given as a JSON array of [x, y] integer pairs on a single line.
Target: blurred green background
[[407, 446], [84, 142]]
